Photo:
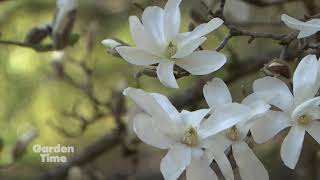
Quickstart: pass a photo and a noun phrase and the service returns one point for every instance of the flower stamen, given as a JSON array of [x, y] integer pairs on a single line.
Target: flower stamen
[[190, 137], [172, 49], [304, 119], [233, 134]]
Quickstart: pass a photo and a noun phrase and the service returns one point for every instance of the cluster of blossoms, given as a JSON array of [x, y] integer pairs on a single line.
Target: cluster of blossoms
[[194, 139]]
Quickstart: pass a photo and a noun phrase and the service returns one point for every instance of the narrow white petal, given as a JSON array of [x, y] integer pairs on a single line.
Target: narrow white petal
[[267, 126], [142, 38], [166, 75], [153, 21], [224, 164], [203, 29], [291, 146], [175, 162], [136, 56], [194, 118], [202, 62], [155, 108], [215, 144], [146, 130], [306, 28], [274, 92], [188, 48], [304, 79], [314, 113], [306, 107], [166, 105], [223, 118], [172, 19], [258, 107], [314, 130], [216, 93], [250, 167], [199, 169]]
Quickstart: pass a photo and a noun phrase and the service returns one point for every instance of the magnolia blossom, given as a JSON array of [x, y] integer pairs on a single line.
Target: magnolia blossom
[[306, 28], [298, 110], [186, 135], [217, 95], [159, 42]]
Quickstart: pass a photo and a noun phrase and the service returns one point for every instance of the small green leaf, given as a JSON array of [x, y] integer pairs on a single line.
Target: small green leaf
[[73, 39]]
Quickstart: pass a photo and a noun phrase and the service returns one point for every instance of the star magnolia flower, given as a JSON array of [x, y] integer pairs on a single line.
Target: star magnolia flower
[[159, 42], [184, 134], [306, 28], [299, 111], [217, 95]]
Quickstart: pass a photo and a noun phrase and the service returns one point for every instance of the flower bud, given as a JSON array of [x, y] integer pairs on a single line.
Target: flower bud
[[278, 67], [111, 44], [63, 22]]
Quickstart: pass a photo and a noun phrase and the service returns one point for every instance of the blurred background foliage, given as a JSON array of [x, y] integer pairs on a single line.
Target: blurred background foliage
[[32, 96]]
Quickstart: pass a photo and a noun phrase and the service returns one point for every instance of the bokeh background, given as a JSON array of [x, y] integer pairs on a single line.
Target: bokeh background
[[34, 98]]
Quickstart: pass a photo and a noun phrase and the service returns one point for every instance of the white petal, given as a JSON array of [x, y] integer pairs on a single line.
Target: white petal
[[291, 146], [166, 75], [306, 107], [314, 130], [155, 108], [216, 93], [224, 165], [136, 56], [258, 107], [188, 48], [166, 105], [223, 118], [269, 125], [274, 92], [153, 21], [142, 39], [172, 19], [193, 118], [306, 29], [314, 113], [304, 79], [250, 167], [199, 169], [216, 144], [203, 29], [175, 162], [146, 130], [202, 62]]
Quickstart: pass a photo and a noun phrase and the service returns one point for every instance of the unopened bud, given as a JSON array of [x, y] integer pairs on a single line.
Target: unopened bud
[[63, 22], [278, 67], [38, 34], [22, 144], [111, 44]]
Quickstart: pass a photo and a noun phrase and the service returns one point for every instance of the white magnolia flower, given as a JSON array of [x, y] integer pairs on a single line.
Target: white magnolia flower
[[217, 95], [306, 28], [159, 42], [184, 134], [299, 111]]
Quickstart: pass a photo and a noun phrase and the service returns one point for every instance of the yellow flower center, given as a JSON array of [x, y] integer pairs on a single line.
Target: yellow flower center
[[190, 137], [304, 119], [233, 134], [171, 50]]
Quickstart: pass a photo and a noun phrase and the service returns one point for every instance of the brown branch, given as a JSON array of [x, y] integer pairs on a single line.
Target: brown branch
[[266, 3], [36, 47]]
